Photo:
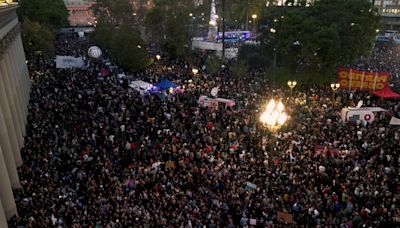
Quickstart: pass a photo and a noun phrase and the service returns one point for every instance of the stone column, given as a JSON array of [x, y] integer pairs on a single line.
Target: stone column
[[8, 115], [6, 194], [12, 98], [8, 153], [3, 220], [25, 71], [13, 77], [16, 65], [23, 75]]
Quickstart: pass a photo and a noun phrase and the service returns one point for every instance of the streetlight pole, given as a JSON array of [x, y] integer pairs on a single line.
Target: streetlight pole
[[254, 17], [291, 85], [272, 30], [273, 118], [273, 83], [334, 87], [223, 30]]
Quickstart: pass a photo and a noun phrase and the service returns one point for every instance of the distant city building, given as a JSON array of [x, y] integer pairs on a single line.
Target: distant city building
[[390, 12], [80, 13], [14, 99]]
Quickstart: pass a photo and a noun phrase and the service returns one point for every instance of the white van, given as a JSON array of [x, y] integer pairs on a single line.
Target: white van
[[364, 114]]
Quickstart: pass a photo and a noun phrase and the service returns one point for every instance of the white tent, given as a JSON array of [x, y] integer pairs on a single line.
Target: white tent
[[141, 86]]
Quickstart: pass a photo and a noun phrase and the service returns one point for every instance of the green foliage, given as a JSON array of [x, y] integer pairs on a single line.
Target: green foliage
[[50, 12], [322, 36], [252, 56], [167, 24], [116, 32], [37, 39], [128, 49], [40, 19], [213, 64], [238, 12], [103, 34]]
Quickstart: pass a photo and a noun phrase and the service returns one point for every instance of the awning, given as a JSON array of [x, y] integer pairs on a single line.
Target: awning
[[385, 93], [165, 84]]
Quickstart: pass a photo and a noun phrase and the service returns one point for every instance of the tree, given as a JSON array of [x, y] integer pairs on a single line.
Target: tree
[[40, 20], [322, 36], [213, 64], [103, 34], [37, 39], [252, 56], [49, 12], [167, 25], [118, 33], [128, 49]]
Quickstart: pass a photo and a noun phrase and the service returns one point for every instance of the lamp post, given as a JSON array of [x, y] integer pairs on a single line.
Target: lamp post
[[273, 31], [158, 57], [291, 85], [334, 87], [273, 118], [254, 17]]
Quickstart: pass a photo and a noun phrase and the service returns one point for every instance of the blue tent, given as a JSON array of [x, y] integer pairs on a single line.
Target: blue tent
[[166, 84]]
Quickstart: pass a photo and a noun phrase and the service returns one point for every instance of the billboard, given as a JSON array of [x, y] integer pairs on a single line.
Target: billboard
[[362, 80]]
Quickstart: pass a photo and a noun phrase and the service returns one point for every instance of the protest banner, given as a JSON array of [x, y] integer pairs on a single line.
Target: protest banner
[[64, 62], [362, 80], [284, 217]]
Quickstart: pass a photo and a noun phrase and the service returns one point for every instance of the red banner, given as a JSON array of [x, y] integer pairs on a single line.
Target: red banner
[[362, 80]]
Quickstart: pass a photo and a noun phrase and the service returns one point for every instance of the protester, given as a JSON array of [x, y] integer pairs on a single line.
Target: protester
[[99, 155]]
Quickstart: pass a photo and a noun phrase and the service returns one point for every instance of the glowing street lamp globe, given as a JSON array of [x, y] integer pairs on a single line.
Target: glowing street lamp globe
[[274, 116], [335, 86], [292, 84]]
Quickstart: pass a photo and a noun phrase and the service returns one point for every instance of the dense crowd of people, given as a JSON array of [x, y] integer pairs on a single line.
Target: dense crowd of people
[[100, 155], [385, 57]]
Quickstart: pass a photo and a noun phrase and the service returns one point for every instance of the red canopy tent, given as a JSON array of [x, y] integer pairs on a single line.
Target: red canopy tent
[[385, 93]]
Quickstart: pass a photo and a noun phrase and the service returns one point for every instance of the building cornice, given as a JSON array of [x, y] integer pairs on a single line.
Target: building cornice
[[8, 38]]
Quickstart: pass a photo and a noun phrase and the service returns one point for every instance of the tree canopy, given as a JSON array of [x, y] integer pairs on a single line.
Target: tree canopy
[[50, 12], [40, 20], [37, 39], [118, 33], [167, 23], [322, 36]]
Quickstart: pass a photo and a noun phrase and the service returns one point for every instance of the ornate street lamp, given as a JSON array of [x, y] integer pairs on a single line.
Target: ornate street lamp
[[254, 17], [274, 116], [291, 85], [334, 87]]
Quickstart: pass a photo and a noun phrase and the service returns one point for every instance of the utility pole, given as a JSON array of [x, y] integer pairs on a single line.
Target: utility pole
[[223, 30]]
